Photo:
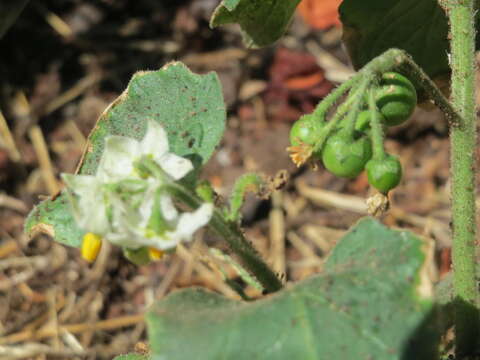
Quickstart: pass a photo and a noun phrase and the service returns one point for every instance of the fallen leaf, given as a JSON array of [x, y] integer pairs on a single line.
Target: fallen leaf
[[296, 84], [304, 82], [320, 14]]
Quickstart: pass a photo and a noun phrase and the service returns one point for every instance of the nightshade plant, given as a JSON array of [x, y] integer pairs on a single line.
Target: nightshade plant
[[137, 187]]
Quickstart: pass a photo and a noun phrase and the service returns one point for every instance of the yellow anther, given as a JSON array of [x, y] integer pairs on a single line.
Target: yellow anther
[[155, 254], [91, 246], [300, 153]]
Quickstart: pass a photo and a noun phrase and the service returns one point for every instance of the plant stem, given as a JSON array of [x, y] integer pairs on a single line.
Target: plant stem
[[358, 95], [247, 182], [234, 237], [333, 97], [325, 132], [377, 131], [463, 140]]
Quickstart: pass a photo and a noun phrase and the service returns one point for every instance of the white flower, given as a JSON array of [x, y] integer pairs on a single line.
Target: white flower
[[132, 225], [119, 205], [88, 207], [121, 152]]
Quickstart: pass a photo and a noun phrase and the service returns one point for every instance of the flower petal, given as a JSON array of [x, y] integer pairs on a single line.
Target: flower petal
[[169, 211], [124, 239], [190, 222], [155, 141], [175, 166], [117, 158], [146, 208], [81, 184], [124, 232], [90, 220], [88, 206]]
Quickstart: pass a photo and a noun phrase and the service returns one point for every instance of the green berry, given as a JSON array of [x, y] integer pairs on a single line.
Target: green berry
[[384, 174], [304, 130], [345, 156], [364, 119], [396, 98]]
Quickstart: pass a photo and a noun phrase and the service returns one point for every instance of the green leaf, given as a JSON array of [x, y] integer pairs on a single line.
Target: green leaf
[[132, 356], [191, 109], [371, 302], [9, 12], [54, 218], [262, 21], [419, 27]]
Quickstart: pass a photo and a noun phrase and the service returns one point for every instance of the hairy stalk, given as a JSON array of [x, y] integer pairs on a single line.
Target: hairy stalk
[[234, 237], [367, 78], [327, 103], [325, 132], [377, 131], [463, 139], [246, 183]]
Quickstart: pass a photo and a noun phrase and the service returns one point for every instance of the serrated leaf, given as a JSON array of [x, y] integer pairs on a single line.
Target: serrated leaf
[[419, 27], [262, 21], [9, 12], [191, 109], [370, 303]]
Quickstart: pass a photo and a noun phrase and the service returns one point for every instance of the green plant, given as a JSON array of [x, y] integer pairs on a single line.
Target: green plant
[[384, 174], [396, 98], [304, 130], [364, 118], [346, 155], [374, 299]]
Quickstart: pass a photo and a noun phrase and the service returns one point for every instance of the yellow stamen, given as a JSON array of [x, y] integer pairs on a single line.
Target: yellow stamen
[[91, 246], [155, 254], [300, 153]]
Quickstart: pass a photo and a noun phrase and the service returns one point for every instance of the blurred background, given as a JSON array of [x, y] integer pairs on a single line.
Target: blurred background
[[63, 62]]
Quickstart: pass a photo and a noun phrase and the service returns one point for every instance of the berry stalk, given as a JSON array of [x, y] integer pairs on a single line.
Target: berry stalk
[[377, 131]]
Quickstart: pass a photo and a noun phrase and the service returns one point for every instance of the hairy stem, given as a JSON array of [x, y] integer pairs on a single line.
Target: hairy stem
[[327, 103], [334, 122], [357, 103], [246, 183], [234, 237], [463, 138], [377, 131]]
